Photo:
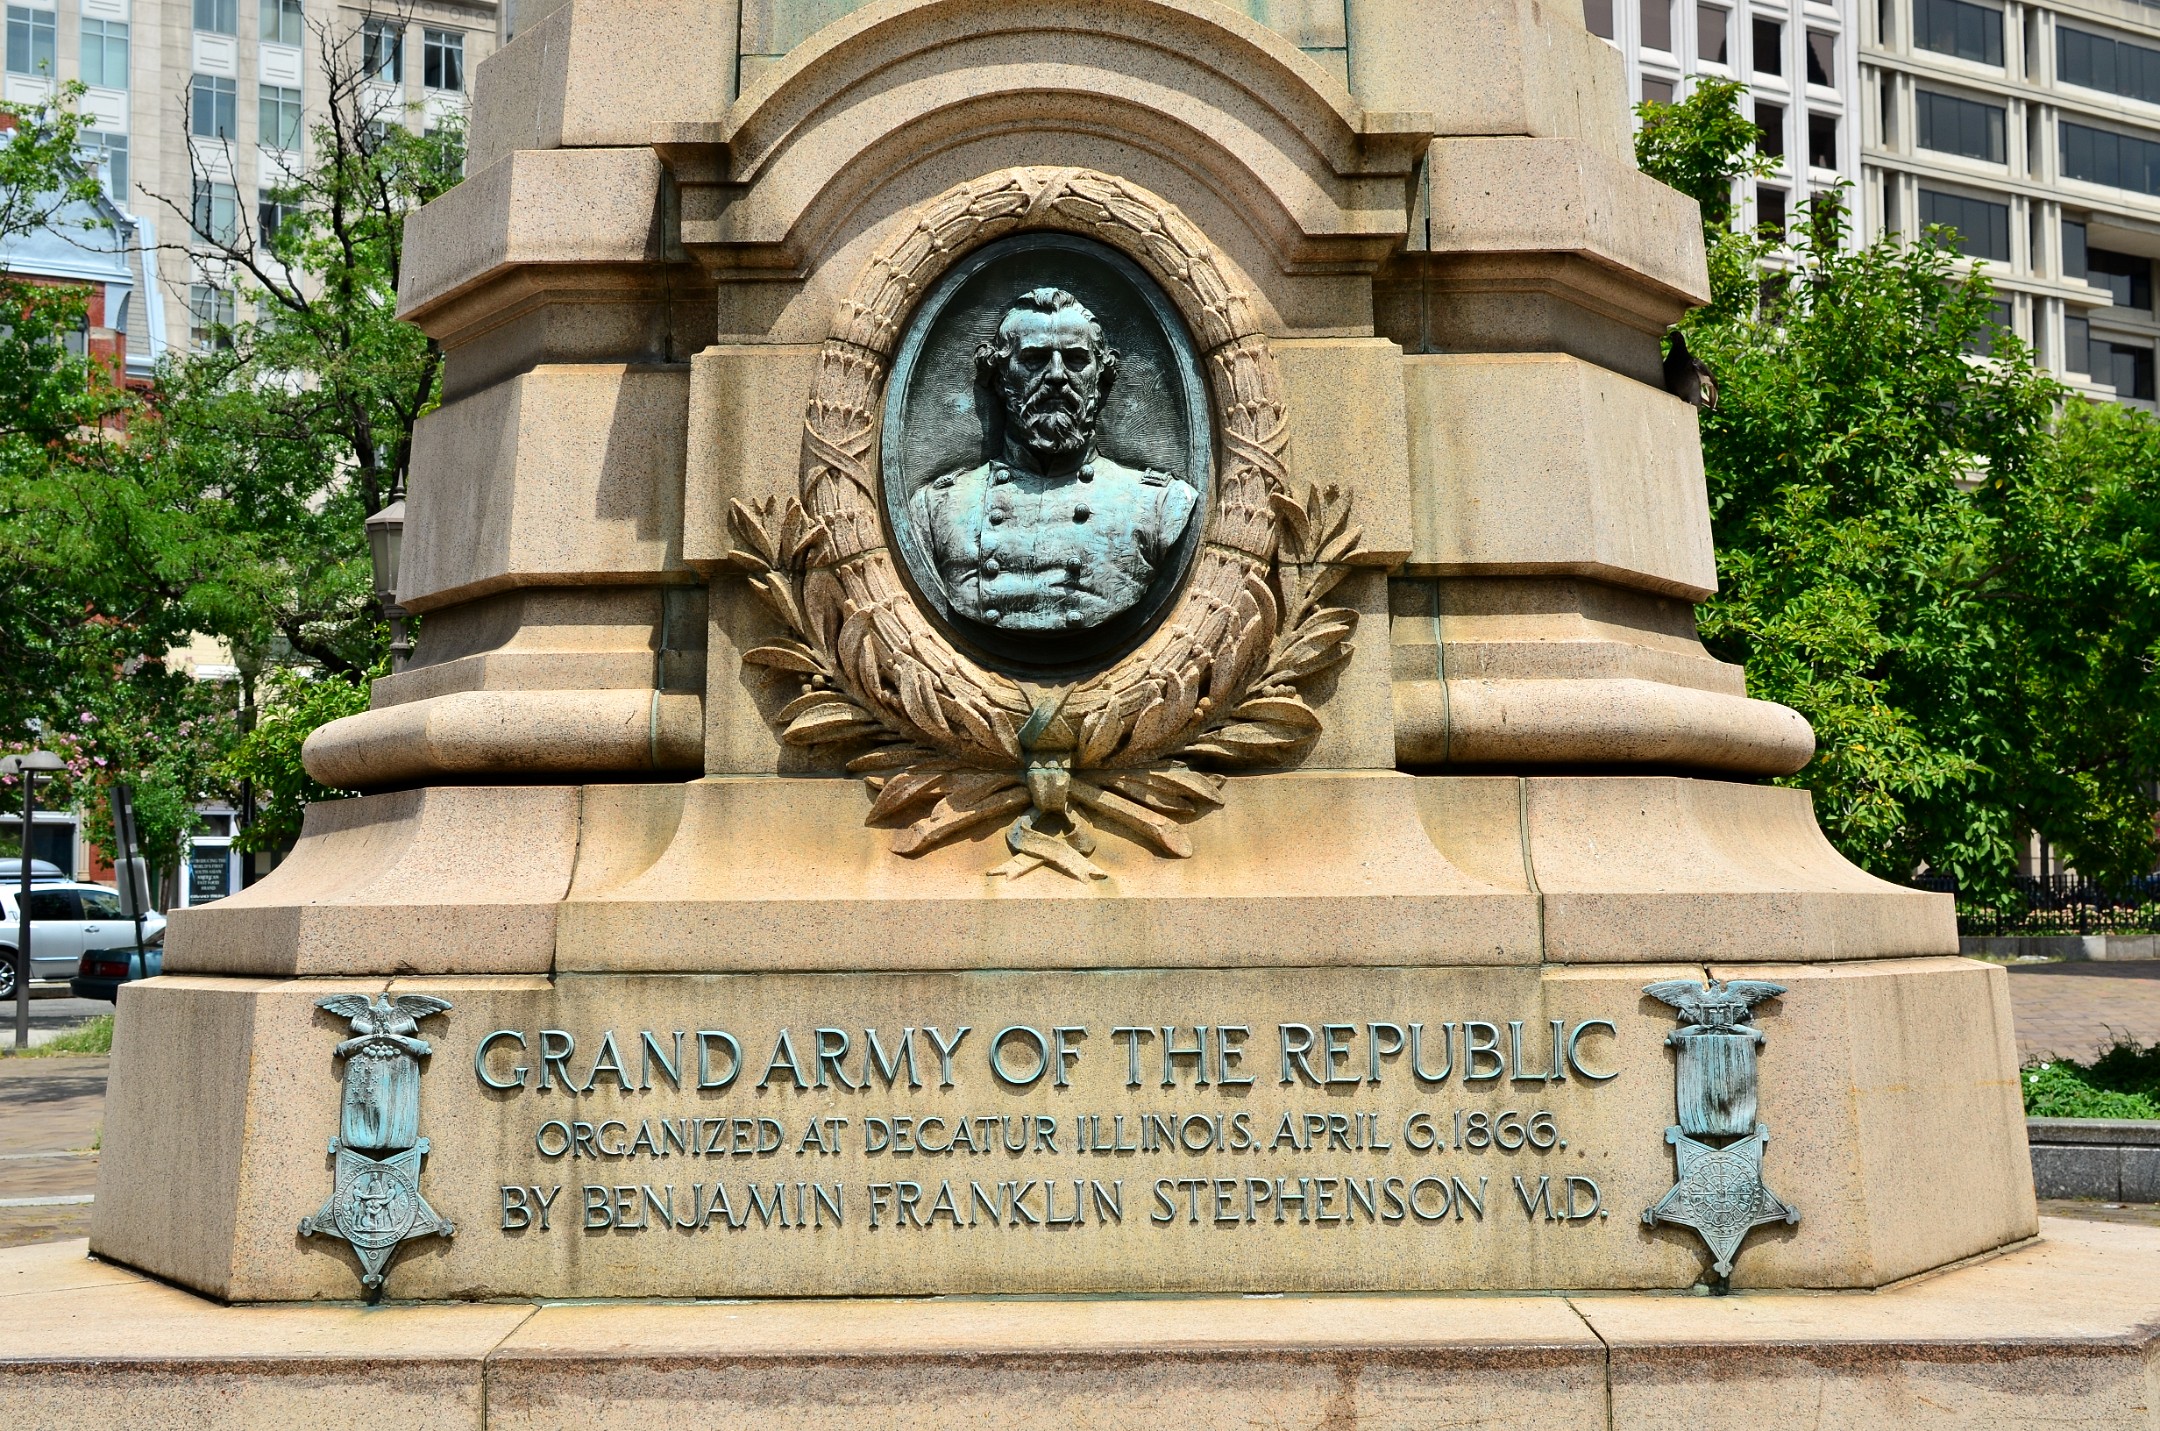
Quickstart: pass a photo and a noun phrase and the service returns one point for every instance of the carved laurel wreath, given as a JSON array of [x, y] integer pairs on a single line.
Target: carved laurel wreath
[[949, 746]]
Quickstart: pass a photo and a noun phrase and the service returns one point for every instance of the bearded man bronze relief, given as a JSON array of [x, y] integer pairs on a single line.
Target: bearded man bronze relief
[[1042, 476], [1050, 535]]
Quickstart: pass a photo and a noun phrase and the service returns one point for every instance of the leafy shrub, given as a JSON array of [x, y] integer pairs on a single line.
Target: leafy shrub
[[2123, 1082]]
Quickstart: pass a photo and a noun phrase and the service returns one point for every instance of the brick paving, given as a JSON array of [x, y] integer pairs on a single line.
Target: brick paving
[[2074, 1010], [51, 1114]]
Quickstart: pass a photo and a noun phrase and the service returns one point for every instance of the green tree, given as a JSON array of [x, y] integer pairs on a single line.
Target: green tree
[[297, 703], [1912, 552]]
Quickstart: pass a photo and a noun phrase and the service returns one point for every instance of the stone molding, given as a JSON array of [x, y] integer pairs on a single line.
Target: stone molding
[[1231, 102], [723, 874], [2058, 1332]]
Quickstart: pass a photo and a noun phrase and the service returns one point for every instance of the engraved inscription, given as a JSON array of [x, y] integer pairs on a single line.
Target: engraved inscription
[[739, 1135]]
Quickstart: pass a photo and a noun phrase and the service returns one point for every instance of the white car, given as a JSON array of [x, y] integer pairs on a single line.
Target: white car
[[67, 919]]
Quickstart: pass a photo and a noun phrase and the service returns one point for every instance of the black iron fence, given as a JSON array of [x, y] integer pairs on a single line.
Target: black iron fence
[[2057, 904]]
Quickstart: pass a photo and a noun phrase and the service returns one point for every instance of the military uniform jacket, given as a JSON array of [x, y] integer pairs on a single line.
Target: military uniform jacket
[[1024, 552]]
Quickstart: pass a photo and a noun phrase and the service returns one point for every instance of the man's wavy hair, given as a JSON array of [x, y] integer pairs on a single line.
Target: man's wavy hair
[[991, 353]]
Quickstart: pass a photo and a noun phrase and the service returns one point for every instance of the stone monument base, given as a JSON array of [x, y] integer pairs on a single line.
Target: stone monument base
[[1289, 1130], [2063, 1330]]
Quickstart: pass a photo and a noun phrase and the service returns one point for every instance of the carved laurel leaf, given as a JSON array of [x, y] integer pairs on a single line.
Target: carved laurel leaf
[[1250, 742], [1172, 789], [1160, 831], [1286, 711], [960, 812], [828, 722], [784, 656], [911, 786]]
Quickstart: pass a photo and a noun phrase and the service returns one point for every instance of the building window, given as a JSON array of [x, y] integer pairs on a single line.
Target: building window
[[1949, 125], [270, 216], [1960, 28], [1982, 343], [1597, 17], [1983, 228], [1821, 58], [2127, 369], [30, 36], [2077, 345], [110, 151], [1657, 26], [282, 22], [1770, 119], [2073, 245], [210, 317], [1769, 37], [1711, 25], [442, 59], [219, 17], [1657, 91], [382, 50], [1822, 141], [105, 53], [213, 107], [1770, 208], [2101, 156], [278, 113], [2115, 66], [2127, 277], [216, 216]]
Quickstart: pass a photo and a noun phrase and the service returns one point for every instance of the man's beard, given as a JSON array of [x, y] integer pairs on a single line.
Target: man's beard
[[1056, 421]]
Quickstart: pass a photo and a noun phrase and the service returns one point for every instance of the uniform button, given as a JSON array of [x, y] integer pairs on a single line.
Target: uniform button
[[1002, 476], [990, 614], [1080, 513], [1087, 471], [990, 566]]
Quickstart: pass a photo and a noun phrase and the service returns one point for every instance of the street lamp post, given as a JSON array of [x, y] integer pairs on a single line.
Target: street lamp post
[[386, 534], [29, 766]]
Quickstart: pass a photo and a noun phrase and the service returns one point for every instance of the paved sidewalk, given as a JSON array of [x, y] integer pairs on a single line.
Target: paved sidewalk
[[2073, 1010], [51, 1113]]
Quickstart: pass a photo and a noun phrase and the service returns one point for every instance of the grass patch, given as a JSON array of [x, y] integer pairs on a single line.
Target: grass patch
[[2123, 1082], [94, 1037]]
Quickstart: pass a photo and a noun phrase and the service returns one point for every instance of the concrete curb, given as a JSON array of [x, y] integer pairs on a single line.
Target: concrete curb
[[2077, 948], [2114, 1159]]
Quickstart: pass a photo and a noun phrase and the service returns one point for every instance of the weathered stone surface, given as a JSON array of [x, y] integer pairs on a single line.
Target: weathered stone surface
[[502, 734], [1024, 1120], [566, 475], [583, 75], [2059, 1332], [454, 878], [1554, 196], [747, 872], [1544, 465], [1488, 67], [1718, 870]]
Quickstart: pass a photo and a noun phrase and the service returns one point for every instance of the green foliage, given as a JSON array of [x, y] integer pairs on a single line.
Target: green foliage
[[228, 502], [1701, 146], [2123, 1082], [92, 1038], [1918, 557], [295, 706]]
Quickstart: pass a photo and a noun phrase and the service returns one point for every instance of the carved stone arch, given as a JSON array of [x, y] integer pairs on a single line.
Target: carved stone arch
[[1231, 103]]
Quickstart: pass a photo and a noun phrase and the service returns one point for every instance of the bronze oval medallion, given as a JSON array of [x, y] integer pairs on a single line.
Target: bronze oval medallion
[[1047, 458]]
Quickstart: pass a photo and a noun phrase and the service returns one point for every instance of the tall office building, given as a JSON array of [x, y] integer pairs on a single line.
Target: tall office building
[[1799, 60], [236, 86], [2034, 130]]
